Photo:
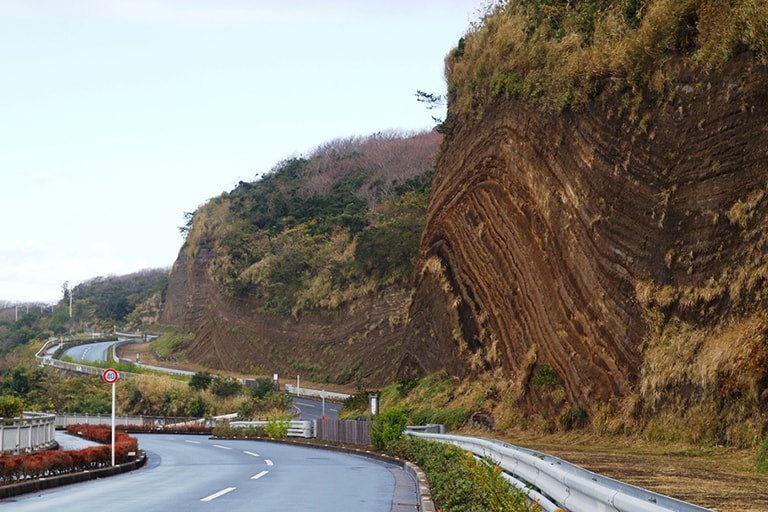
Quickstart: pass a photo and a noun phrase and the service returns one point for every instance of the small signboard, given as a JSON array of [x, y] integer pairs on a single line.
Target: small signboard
[[110, 376]]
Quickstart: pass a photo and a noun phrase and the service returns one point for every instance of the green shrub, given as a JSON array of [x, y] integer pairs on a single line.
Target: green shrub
[[388, 427], [546, 377], [225, 387], [200, 381], [261, 387], [11, 406], [357, 402], [460, 482], [277, 426], [255, 407]]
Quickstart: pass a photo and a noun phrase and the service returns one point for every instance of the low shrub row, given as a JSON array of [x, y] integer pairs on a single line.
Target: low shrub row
[[460, 482], [181, 428], [226, 431], [276, 427], [18, 468]]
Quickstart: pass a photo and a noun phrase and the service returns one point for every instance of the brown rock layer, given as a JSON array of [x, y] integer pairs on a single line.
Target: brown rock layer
[[543, 229]]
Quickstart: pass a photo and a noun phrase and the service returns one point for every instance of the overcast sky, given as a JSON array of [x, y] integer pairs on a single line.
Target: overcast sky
[[117, 116]]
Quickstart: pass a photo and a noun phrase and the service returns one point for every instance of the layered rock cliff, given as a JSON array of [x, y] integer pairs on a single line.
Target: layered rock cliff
[[555, 238]]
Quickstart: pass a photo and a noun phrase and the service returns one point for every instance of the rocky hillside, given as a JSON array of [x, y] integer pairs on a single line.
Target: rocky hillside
[[307, 269], [595, 240]]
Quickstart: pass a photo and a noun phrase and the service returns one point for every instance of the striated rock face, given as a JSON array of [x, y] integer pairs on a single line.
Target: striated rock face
[[560, 239]]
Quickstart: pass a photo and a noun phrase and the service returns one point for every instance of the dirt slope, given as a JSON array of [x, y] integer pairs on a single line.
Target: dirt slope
[[232, 334]]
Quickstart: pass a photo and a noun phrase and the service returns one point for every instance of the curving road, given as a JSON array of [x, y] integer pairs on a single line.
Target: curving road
[[90, 351], [194, 473]]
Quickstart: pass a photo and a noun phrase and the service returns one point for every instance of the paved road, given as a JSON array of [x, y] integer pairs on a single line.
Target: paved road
[[313, 409], [90, 352], [194, 473]]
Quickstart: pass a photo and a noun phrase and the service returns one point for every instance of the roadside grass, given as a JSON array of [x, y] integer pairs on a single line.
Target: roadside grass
[[459, 481]]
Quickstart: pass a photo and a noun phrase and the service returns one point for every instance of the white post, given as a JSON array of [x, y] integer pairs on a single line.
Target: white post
[[113, 423], [298, 388]]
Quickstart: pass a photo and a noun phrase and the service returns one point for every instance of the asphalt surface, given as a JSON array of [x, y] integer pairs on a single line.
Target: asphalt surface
[[90, 351], [195, 473]]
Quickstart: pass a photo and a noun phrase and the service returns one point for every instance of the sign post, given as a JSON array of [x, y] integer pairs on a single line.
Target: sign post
[[110, 376], [322, 395]]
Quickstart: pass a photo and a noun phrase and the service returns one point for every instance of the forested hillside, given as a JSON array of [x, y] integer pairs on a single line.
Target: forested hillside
[[99, 304], [316, 232], [291, 272]]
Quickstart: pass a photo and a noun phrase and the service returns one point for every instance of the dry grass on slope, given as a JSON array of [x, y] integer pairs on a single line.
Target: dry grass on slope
[[560, 54]]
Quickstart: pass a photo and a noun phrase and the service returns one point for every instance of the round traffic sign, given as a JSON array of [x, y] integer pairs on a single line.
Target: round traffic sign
[[110, 376]]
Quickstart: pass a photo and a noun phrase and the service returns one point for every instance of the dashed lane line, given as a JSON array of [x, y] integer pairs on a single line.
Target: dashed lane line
[[218, 494], [251, 453], [268, 462], [256, 477], [222, 447]]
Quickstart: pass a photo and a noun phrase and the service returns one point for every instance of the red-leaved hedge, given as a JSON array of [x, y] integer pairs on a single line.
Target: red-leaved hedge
[[48, 463]]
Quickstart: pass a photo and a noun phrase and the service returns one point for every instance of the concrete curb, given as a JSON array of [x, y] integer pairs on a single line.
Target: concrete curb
[[40, 484], [425, 495]]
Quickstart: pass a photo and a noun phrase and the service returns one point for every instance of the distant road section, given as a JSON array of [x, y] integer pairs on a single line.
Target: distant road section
[[313, 409], [90, 352]]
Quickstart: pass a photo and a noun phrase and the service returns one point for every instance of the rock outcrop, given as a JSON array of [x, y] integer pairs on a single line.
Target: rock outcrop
[[562, 238]]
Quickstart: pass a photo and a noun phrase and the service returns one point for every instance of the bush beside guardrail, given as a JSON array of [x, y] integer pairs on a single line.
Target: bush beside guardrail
[[562, 485], [303, 428]]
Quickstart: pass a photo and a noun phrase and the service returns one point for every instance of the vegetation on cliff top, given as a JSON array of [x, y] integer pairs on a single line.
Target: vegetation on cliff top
[[560, 53], [321, 230]]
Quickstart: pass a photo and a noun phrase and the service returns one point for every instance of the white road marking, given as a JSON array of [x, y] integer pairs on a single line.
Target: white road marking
[[222, 447], [219, 494], [256, 477], [251, 453], [268, 462], [191, 442]]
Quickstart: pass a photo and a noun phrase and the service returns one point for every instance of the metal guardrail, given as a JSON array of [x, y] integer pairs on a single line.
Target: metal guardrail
[[429, 428], [64, 420], [34, 431], [558, 485], [301, 428], [315, 393]]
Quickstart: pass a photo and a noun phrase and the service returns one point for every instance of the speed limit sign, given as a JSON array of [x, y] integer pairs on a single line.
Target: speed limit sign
[[110, 376]]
